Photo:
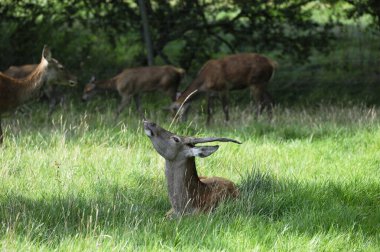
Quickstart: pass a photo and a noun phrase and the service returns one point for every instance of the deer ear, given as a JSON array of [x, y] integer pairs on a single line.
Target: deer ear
[[46, 53], [203, 151]]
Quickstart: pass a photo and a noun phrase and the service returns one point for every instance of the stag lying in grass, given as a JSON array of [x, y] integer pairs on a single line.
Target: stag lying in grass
[[14, 92], [219, 77], [134, 81], [189, 193], [58, 75]]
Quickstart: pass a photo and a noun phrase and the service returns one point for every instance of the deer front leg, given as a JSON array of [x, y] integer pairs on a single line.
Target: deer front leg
[[125, 100], [209, 108], [256, 92], [137, 99], [268, 103], [52, 104], [224, 100], [172, 93]]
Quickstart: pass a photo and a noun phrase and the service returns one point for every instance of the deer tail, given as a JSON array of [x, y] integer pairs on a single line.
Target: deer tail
[[274, 64]]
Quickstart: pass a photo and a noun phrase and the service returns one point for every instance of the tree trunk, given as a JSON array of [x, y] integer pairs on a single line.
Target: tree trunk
[[147, 38]]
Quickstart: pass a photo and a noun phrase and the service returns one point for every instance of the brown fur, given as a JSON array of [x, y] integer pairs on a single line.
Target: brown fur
[[233, 72], [189, 193], [58, 76], [14, 92], [133, 81]]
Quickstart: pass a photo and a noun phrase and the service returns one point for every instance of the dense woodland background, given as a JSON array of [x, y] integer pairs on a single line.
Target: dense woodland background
[[328, 51]]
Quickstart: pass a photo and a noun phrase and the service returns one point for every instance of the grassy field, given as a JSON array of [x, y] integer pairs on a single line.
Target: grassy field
[[309, 181]]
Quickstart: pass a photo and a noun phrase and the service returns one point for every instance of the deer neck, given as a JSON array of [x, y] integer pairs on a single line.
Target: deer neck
[[109, 84], [183, 184], [195, 85], [34, 81]]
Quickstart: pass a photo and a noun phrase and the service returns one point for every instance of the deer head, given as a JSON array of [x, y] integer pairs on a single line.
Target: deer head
[[57, 73], [90, 89], [173, 147]]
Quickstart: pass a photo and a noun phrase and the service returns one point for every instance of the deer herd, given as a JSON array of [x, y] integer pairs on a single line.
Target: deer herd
[[188, 192]]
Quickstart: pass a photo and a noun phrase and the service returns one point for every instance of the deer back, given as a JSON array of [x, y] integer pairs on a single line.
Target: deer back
[[232, 72], [145, 79]]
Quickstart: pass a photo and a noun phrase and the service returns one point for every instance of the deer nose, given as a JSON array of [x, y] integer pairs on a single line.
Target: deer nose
[[72, 83], [149, 124]]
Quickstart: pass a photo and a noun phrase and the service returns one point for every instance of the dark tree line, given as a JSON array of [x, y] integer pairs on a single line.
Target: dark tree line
[[94, 33], [202, 28]]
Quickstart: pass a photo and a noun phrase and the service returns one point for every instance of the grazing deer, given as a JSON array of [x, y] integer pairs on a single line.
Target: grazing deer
[[134, 81], [189, 193], [57, 76], [14, 92], [239, 71]]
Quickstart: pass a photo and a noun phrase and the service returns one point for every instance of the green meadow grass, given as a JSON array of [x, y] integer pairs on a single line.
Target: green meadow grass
[[81, 181]]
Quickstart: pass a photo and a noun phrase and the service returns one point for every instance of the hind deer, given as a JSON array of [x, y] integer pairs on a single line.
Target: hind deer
[[14, 92], [58, 76], [134, 81], [189, 193], [233, 72]]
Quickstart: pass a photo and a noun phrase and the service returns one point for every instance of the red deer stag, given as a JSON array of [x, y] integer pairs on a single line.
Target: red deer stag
[[57, 76], [134, 81], [189, 193], [14, 92], [239, 71]]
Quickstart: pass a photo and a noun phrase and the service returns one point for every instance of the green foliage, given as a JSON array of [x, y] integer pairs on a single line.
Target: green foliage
[[205, 28], [308, 39]]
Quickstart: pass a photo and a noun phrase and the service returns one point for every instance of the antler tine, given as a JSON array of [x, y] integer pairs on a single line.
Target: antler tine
[[195, 140]]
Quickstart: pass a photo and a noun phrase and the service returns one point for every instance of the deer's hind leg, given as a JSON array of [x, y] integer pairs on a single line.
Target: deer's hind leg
[[137, 98], [262, 98], [224, 100], [125, 100], [210, 101]]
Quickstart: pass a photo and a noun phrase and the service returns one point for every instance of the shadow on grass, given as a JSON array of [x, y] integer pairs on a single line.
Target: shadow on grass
[[302, 208], [310, 208], [110, 208]]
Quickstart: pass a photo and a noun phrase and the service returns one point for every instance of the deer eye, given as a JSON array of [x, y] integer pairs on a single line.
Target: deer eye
[[176, 139]]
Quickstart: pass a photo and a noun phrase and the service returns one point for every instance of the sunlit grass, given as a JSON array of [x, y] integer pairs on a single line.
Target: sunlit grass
[[82, 181]]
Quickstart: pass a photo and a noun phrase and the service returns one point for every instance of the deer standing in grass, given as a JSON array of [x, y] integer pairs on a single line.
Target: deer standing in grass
[[58, 76], [189, 193], [134, 81], [14, 92], [233, 72]]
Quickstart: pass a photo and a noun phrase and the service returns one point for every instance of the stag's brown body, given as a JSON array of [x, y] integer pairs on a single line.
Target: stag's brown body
[[189, 193], [233, 72], [14, 92], [134, 81], [57, 75], [19, 72]]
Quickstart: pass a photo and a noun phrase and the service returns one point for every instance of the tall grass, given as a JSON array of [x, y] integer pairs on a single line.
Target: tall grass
[[81, 181]]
